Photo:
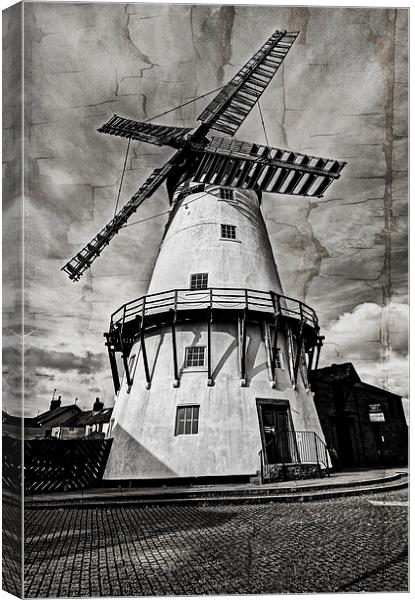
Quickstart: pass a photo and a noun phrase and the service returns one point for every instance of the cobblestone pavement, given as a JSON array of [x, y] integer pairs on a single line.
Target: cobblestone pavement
[[339, 545]]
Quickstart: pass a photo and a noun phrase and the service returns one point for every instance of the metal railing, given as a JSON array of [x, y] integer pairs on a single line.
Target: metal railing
[[293, 448], [214, 298]]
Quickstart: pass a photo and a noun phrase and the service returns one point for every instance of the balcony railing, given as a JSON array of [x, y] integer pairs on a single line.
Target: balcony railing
[[290, 448], [214, 298]]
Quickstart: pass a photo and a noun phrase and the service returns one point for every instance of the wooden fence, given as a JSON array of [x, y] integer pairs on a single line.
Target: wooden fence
[[54, 465]]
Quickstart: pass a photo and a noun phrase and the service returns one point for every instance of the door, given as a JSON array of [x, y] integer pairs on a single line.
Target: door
[[275, 423], [348, 450], [379, 441]]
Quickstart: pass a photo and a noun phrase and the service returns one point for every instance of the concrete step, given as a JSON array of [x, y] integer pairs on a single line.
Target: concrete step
[[220, 496]]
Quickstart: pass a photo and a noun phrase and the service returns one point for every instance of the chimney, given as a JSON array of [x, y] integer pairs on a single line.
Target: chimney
[[97, 405], [55, 403]]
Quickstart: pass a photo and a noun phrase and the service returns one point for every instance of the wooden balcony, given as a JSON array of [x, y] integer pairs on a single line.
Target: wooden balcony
[[133, 320], [185, 304]]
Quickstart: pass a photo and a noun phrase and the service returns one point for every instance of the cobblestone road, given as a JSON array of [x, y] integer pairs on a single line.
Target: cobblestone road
[[337, 545]]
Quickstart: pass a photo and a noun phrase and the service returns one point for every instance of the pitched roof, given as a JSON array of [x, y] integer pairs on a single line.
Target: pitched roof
[[16, 421], [56, 412], [90, 417], [337, 373], [346, 371], [375, 389]]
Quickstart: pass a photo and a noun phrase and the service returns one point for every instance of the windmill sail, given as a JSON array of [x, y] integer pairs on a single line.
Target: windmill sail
[[234, 163], [219, 161], [160, 135], [230, 107], [79, 263]]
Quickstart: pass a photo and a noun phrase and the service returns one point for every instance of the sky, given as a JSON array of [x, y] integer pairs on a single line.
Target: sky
[[342, 93]]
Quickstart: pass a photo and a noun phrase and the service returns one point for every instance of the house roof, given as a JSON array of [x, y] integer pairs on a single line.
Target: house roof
[[90, 417], [346, 371], [15, 421], [337, 373], [55, 413], [65, 416], [375, 389]]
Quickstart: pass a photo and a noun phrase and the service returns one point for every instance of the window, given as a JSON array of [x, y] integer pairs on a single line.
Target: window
[[278, 358], [225, 194], [228, 232], [187, 420], [194, 356], [198, 281]]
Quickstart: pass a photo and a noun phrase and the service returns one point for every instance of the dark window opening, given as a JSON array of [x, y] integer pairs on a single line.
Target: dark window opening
[[199, 281], [194, 356], [226, 194], [228, 232], [187, 420]]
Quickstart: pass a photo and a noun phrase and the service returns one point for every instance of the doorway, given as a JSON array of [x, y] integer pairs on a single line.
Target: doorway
[[347, 439], [276, 428]]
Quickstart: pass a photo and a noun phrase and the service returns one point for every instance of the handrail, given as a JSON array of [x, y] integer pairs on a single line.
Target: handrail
[[222, 298], [295, 447]]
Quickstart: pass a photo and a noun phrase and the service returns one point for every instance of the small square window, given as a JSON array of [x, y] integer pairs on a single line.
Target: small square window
[[187, 420], [198, 281], [228, 232], [194, 356], [226, 194]]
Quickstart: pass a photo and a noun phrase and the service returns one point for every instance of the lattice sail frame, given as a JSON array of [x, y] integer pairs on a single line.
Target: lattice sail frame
[[222, 161]]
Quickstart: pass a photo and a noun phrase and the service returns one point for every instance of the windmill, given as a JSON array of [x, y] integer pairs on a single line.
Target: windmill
[[215, 357]]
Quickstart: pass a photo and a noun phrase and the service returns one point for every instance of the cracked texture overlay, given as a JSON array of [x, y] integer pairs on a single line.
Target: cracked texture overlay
[[341, 93]]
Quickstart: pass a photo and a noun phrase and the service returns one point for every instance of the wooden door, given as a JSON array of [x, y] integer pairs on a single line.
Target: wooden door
[[275, 425]]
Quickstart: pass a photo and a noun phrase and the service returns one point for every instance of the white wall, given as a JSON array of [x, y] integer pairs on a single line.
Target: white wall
[[228, 442], [229, 438], [193, 244]]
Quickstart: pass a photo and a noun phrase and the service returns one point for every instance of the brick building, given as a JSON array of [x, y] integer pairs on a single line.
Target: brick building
[[364, 424], [93, 423]]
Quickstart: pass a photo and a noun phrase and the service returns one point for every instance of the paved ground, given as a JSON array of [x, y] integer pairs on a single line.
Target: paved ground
[[106, 494], [350, 544]]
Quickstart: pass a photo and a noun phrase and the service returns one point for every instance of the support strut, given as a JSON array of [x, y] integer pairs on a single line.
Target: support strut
[[113, 364], [270, 358], [127, 370], [242, 322], [209, 345], [298, 353], [176, 382], [144, 351], [320, 339]]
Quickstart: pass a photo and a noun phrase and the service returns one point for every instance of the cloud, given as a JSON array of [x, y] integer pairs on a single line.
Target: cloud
[[375, 340], [370, 323], [39, 358]]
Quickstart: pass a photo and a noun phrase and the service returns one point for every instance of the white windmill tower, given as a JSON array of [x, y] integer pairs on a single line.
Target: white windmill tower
[[215, 357]]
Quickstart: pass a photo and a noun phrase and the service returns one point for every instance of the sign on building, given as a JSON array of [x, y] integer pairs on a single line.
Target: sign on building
[[376, 414]]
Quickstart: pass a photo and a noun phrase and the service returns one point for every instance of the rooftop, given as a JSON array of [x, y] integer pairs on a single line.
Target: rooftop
[[337, 373], [90, 417]]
